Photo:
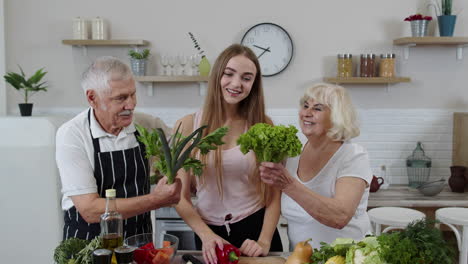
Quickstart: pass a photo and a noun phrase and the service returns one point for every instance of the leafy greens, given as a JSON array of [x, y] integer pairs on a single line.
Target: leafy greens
[[174, 154], [271, 143]]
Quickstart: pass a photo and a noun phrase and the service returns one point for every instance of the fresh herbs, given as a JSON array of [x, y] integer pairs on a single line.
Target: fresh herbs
[[30, 85], [68, 249], [271, 143], [139, 55], [85, 256], [420, 242], [174, 154], [75, 250]]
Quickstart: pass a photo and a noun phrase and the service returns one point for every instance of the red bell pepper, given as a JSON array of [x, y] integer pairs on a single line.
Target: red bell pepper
[[228, 255]]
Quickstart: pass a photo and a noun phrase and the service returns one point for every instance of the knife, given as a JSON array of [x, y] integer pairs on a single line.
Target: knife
[[191, 258]]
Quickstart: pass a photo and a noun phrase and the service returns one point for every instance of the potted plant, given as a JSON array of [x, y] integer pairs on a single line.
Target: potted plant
[[419, 24], [139, 61], [445, 17], [204, 66], [28, 86]]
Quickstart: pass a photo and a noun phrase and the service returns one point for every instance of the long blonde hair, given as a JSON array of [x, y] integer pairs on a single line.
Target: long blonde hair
[[251, 109]]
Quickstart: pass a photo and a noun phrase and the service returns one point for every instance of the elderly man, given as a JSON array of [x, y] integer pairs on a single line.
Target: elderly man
[[98, 150]]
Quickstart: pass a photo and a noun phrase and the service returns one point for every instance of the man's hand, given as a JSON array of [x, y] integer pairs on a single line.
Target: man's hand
[[166, 194]]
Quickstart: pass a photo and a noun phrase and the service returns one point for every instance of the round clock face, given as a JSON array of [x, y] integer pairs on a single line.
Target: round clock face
[[272, 45]]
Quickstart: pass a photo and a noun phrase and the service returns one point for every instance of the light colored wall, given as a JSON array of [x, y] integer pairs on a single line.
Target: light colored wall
[[3, 99], [34, 30]]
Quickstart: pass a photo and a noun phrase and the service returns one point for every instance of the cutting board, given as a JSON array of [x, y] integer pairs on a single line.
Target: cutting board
[[460, 139], [262, 260]]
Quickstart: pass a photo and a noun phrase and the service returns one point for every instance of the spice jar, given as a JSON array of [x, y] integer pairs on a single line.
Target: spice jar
[[367, 67], [345, 65], [387, 65]]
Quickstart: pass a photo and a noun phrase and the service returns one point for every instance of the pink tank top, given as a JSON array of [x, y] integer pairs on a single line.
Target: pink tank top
[[240, 197]]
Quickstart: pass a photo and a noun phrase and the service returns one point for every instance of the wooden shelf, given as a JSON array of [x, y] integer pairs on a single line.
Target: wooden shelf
[[431, 41], [107, 42], [367, 80], [408, 42], [168, 79], [149, 81]]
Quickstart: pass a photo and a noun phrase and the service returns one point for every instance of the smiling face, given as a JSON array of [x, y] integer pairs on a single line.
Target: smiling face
[[314, 119], [114, 107], [237, 79]]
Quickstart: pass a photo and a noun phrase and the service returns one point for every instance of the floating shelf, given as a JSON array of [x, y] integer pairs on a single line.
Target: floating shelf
[[150, 80], [408, 42], [367, 80], [171, 78], [107, 42]]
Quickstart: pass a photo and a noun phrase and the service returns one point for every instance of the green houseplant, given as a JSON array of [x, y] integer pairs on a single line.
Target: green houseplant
[[27, 86], [203, 64], [174, 154], [445, 18], [139, 61]]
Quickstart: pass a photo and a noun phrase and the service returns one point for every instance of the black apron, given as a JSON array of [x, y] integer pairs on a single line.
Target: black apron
[[127, 172]]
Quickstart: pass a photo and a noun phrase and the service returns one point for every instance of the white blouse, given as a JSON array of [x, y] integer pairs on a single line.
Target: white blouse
[[350, 160]]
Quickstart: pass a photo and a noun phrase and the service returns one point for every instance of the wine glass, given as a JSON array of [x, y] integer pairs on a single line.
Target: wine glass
[[195, 60], [182, 61], [172, 62], [164, 63]]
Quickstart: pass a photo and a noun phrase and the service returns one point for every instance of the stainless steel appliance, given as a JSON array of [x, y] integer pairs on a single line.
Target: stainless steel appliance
[[168, 221]]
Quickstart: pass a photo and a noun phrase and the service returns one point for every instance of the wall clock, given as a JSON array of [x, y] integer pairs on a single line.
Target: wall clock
[[272, 45]]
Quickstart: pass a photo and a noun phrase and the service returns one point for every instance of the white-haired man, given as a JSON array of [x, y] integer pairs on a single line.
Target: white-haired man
[[98, 150]]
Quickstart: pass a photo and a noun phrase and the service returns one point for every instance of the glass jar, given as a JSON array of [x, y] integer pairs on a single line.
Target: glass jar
[[345, 65], [387, 65], [367, 67]]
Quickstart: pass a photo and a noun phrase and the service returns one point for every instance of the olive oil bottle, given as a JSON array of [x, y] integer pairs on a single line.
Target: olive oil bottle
[[111, 224]]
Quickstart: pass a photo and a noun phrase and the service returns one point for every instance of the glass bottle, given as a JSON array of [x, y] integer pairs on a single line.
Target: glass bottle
[[111, 223], [367, 68], [124, 255], [102, 256], [345, 65], [387, 65]]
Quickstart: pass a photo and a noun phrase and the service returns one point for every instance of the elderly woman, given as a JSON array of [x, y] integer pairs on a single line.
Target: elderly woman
[[325, 195]]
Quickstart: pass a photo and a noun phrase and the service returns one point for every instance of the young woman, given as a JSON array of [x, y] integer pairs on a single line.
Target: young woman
[[233, 205]]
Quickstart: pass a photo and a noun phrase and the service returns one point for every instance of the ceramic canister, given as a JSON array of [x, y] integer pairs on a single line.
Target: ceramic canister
[[99, 28], [80, 28]]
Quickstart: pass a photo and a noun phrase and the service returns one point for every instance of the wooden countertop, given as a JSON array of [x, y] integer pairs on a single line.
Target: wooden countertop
[[402, 195], [272, 258]]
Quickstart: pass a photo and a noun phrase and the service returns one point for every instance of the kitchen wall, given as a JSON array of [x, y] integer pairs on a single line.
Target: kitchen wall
[[3, 106], [34, 30], [320, 30]]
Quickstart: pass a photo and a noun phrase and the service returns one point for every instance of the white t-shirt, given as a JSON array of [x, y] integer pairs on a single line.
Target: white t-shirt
[[75, 150], [350, 160]]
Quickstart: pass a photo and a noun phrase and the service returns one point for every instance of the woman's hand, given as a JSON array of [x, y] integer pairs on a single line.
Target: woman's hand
[[254, 248], [275, 174], [210, 242]]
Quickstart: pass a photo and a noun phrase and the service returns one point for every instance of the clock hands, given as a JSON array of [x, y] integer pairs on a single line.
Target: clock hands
[[267, 49], [264, 50]]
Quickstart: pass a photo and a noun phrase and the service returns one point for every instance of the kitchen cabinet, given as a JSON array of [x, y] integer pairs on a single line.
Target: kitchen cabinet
[[150, 81], [283, 232], [459, 42]]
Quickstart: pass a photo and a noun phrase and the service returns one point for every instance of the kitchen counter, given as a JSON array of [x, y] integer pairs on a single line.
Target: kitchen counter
[[404, 196], [272, 258]]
